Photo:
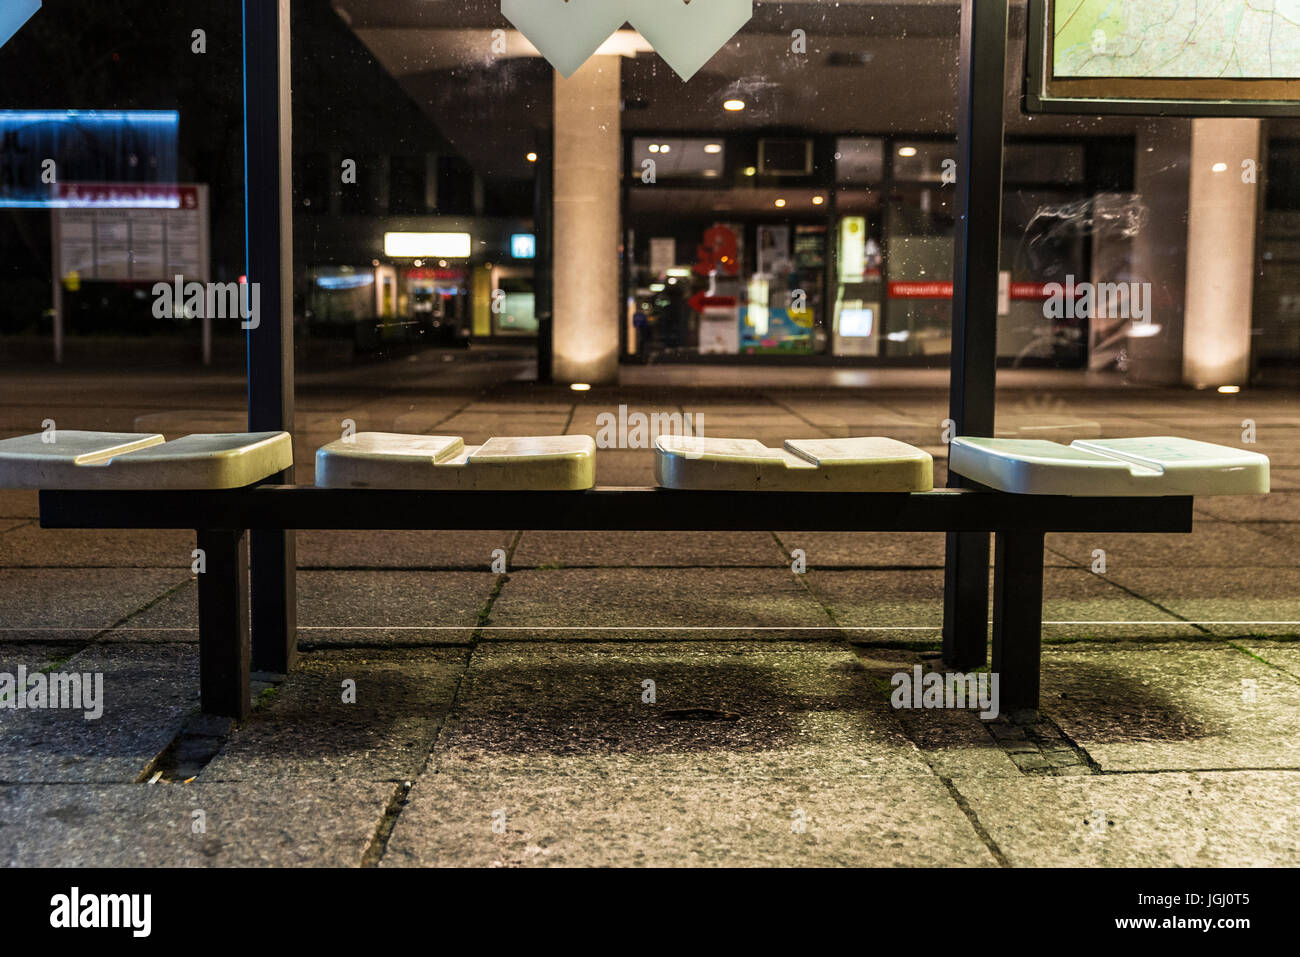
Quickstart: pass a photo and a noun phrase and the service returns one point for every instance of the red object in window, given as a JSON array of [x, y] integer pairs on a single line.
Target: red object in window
[[719, 251], [701, 301]]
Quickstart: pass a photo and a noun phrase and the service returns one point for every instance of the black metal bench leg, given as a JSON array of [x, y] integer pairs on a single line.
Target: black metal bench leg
[[1018, 618], [274, 600], [223, 623], [966, 601]]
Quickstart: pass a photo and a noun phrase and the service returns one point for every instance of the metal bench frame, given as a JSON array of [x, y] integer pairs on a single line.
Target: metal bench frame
[[222, 520]]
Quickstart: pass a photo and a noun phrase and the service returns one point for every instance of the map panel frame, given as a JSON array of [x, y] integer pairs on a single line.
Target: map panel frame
[[1101, 96]]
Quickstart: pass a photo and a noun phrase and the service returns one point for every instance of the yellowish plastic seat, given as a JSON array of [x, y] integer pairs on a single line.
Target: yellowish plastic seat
[[445, 462], [801, 465], [111, 460]]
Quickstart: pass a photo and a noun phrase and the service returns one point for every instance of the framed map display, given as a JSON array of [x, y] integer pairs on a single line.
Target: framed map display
[[1164, 57]]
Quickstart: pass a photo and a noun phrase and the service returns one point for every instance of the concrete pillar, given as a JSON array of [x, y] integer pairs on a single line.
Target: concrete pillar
[[588, 161], [1162, 180], [1197, 249], [1221, 223]]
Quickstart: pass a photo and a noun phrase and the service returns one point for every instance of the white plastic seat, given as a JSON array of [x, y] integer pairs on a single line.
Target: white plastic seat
[[801, 465], [1155, 466], [110, 460], [445, 462]]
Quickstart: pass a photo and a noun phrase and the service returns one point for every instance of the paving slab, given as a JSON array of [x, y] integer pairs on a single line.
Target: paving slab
[[348, 607], [1211, 544], [1081, 605], [882, 606], [833, 415], [783, 709], [34, 656], [1282, 655], [688, 820], [400, 549], [640, 549], [477, 428], [1206, 819], [894, 550], [306, 730], [36, 547], [1230, 602], [581, 604], [952, 742], [147, 691], [1273, 507], [1173, 706], [624, 468], [66, 604], [19, 503], [265, 824], [867, 549]]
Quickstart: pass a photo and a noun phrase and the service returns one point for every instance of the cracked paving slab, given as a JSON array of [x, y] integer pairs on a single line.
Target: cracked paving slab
[[307, 731], [147, 692]]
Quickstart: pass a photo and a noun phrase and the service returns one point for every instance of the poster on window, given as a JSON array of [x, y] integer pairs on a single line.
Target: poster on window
[[774, 251]]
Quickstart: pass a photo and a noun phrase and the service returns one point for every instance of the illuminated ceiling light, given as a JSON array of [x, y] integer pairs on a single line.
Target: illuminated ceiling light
[[908, 151], [733, 106], [417, 245], [818, 200], [1229, 389], [679, 272], [750, 171], [780, 204], [654, 147], [710, 172], [713, 147], [1220, 167], [580, 387], [657, 287], [665, 148], [531, 157]]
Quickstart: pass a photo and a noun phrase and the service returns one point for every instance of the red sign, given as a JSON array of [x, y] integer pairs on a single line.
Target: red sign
[[920, 290], [701, 301], [126, 196], [452, 275], [943, 290]]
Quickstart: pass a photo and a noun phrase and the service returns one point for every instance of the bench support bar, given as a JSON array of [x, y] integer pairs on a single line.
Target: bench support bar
[[966, 601], [223, 623], [1018, 618]]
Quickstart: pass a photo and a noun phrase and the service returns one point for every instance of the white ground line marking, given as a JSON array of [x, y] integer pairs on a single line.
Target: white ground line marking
[[655, 627]]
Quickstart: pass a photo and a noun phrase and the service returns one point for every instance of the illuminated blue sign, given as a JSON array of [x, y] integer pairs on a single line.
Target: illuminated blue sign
[[44, 152], [523, 246], [13, 14]]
